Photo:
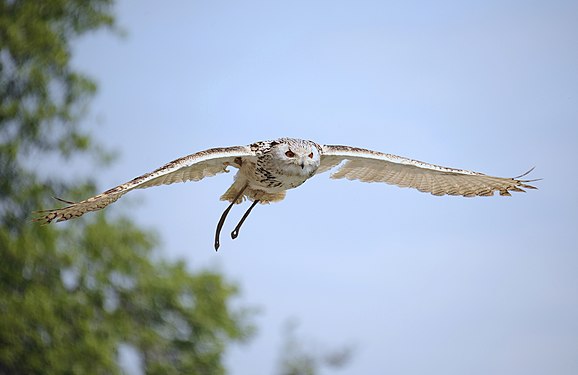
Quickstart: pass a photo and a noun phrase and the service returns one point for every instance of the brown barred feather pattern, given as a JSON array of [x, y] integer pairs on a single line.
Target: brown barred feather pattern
[[267, 169]]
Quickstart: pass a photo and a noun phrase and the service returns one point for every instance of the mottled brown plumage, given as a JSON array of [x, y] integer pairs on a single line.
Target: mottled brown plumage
[[268, 169]]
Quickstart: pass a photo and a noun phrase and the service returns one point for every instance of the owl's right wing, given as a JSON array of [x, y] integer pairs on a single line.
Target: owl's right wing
[[193, 167], [373, 166]]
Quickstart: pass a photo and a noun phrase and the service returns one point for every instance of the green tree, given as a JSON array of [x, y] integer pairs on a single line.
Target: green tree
[[300, 356], [71, 296]]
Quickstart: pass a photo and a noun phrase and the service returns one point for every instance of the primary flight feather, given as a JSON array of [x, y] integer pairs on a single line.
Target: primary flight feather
[[268, 169]]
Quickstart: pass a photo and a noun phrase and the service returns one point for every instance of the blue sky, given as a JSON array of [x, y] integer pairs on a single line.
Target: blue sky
[[416, 283]]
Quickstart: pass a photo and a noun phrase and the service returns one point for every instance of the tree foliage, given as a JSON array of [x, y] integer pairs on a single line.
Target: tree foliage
[[41, 96], [72, 295], [39, 91], [300, 356]]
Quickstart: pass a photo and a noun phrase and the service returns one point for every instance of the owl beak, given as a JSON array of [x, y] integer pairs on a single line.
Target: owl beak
[[302, 163]]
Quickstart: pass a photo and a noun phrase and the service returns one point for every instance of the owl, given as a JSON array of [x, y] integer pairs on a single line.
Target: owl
[[267, 169]]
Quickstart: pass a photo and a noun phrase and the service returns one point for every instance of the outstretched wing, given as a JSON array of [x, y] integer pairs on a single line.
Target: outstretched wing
[[372, 166], [193, 167]]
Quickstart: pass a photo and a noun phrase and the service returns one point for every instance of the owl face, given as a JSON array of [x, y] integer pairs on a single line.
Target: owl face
[[297, 158]]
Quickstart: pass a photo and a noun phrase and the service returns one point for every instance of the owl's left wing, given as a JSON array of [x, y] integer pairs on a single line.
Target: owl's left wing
[[372, 166], [193, 167]]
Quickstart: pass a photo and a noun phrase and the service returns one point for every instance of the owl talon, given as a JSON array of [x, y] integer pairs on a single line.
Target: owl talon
[[235, 231], [224, 216]]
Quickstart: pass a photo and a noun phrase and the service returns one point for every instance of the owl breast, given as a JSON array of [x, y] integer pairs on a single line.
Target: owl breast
[[274, 179]]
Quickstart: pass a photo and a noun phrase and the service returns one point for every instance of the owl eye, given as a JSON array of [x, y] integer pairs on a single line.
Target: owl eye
[[289, 154], [310, 156]]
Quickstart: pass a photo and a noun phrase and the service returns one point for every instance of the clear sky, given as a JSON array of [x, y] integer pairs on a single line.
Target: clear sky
[[417, 284]]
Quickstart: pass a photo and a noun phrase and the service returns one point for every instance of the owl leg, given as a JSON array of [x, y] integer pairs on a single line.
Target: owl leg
[[224, 216], [235, 231]]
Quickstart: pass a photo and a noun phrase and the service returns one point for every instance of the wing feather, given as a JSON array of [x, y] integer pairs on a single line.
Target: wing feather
[[193, 167], [372, 166]]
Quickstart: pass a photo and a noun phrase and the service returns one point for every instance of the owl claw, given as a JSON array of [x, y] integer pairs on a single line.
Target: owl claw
[[235, 231], [220, 226], [223, 217]]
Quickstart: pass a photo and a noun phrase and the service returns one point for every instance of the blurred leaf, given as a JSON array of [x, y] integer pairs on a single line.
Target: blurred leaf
[[72, 296], [301, 357]]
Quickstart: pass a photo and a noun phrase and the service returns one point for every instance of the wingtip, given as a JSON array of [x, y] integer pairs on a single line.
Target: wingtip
[[64, 200], [42, 219], [524, 183], [45, 217], [525, 173]]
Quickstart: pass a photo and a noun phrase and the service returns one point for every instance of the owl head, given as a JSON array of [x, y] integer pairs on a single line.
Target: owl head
[[297, 157]]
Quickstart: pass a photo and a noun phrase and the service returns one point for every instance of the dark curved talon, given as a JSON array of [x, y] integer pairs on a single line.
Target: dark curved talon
[[224, 216], [235, 231], [220, 225]]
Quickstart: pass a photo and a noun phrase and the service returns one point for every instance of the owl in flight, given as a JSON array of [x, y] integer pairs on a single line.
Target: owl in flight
[[266, 170]]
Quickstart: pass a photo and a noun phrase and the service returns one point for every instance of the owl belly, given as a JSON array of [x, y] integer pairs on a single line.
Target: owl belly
[[275, 183], [286, 184], [268, 181]]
